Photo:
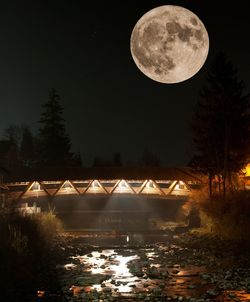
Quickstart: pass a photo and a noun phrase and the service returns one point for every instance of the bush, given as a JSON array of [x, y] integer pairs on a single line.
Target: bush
[[49, 225], [228, 218], [26, 255]]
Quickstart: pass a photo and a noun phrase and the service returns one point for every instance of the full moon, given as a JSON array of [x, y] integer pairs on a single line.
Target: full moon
[[169, 44]]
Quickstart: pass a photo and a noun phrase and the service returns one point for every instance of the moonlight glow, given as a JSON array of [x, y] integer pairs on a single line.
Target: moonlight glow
[[169, 44]]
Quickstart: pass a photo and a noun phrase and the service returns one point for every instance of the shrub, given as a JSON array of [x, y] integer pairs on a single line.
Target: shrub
[[49, 225], [26, 255], [229, 218]]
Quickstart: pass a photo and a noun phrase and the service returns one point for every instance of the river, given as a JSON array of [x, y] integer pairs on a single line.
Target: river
[[151, 267]]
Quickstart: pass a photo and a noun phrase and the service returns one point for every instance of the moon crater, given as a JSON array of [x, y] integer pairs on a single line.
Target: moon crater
[[169, 44]]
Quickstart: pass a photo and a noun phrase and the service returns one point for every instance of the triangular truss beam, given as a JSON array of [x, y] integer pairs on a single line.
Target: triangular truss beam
[[122, 185], [95, 187]]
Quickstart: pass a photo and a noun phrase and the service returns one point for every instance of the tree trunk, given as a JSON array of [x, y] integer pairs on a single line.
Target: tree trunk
[[224, 187], [226, 151], [219, 184], [230, 182], [210, 185]]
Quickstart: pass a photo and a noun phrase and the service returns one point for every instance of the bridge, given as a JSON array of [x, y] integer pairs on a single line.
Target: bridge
[[104, 198], [158, 182]]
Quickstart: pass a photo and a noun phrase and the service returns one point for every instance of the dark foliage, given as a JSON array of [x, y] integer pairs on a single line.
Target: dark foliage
[[54, 142], [27, 148], [27, 263], [221, 123], [14, 134], [229, 218]]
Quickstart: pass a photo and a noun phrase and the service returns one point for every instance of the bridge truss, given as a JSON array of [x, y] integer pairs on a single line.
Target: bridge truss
[[160, 188]]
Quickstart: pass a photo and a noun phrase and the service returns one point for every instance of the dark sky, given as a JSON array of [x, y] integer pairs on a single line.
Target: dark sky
[[83, 50]]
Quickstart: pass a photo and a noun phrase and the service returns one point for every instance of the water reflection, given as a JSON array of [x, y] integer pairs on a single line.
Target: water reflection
[[236, 295], [134, 271], [119, 279], [69, 266], [108, 262]]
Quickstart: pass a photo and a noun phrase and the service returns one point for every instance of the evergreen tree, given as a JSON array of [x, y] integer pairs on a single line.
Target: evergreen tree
[[54, 142], [221, 124], [27, 148]]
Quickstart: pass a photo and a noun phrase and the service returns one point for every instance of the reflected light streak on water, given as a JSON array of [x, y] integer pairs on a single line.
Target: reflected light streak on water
[[121, 273], [121, 269], [69, 266], [110, 263], [151, 255]]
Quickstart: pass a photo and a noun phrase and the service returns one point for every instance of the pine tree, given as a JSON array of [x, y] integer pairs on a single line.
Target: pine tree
[[54, 142], [27, 148], [221, 123]]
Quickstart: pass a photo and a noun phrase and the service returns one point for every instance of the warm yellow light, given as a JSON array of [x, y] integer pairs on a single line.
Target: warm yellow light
[[95, 184], [36, 186], [40, 293], [122, 184], [67, 186], [150, 185], [180, 186], [247, 170]]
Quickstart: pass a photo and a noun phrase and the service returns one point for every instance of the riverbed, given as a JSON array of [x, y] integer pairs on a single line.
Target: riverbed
[[152, 267]]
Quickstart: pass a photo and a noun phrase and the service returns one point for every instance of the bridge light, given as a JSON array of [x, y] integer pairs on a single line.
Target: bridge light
[[95, 184], [67, 186], [180, 186], [150, 185], [36, 186], [122, 184]]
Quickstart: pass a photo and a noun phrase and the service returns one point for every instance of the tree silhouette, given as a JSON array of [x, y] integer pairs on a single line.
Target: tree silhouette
[[27, 148], [221, 124], [54, 142], [14, 134]]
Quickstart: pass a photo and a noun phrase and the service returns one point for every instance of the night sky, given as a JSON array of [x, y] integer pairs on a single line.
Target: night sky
[[83, 50]]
